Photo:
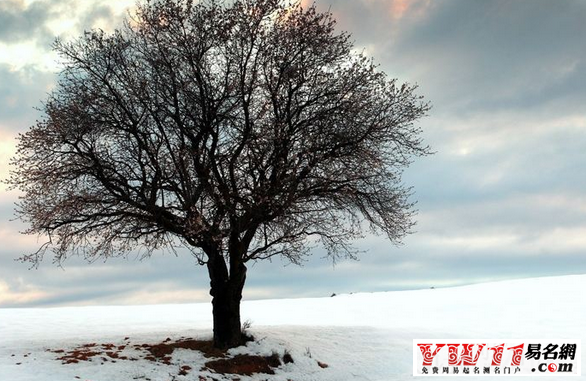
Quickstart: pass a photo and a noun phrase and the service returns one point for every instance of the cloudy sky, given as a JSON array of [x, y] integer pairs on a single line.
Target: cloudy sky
[[504, 196]]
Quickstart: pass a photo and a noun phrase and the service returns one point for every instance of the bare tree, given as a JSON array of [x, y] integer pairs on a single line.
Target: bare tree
[[240, 130]]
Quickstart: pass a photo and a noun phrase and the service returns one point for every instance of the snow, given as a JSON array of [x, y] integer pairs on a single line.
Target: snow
[[365, 336]]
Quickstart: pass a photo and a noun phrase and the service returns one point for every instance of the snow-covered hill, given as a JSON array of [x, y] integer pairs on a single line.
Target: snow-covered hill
[[360, 336]]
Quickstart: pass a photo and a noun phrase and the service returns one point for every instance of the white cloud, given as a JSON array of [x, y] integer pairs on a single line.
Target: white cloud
[[24, 294], [66, 19]]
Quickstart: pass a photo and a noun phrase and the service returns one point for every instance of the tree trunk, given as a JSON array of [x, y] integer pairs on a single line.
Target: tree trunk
[[226, 292]]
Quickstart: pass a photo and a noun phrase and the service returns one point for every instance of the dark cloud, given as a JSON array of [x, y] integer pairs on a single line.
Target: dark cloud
[[470, 55], [499, 54], [21, 23], [21, 93], [98, 13]]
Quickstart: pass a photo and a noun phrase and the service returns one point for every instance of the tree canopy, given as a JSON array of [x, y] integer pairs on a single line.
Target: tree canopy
[[240, 130]]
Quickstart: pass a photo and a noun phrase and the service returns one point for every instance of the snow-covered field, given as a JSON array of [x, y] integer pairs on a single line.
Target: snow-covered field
[[360, 336]]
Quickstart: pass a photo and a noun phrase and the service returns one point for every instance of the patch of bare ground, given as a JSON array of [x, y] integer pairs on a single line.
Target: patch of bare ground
[[245, 365], [167, 347], [77, 355], [220, 362], [184, 370], [160, 352]]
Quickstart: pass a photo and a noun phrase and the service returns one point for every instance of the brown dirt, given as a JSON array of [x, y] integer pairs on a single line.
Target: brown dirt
[[184, 370], [167, 347], [77, 355], [154, 352], [161, 352], [245, 365]]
